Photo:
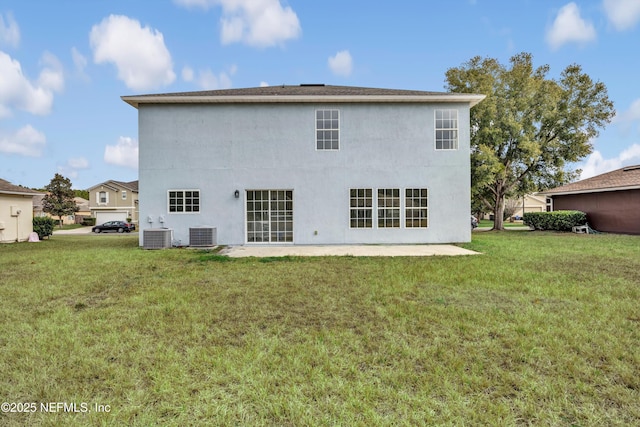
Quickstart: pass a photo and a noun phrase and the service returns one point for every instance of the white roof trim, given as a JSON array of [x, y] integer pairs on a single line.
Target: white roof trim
[[595, 190], [135, 101]]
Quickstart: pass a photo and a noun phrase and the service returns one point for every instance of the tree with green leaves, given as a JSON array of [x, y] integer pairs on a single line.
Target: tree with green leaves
[[529, 128], [59, 198]]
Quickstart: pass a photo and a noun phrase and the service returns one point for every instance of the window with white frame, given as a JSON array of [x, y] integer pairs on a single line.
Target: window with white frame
[[416, 208], [446, 128], [124, 195], [361, 207], [327, 129], [184, 201], [388, 208], [103, 197]]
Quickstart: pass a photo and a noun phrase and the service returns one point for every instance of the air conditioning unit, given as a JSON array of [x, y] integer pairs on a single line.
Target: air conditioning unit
[[156, 238], [202, 236]]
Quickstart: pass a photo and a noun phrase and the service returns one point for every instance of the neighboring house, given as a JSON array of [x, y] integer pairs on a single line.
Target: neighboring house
[[83, 210], [308, 164], [114, 201], [611, 200], [16, 212], [535, 202]]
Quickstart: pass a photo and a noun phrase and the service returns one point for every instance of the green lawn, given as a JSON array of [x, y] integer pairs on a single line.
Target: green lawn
[[542, 329]]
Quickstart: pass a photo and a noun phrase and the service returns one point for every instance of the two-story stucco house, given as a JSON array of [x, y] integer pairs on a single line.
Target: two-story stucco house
[[308, 164], [114, 201]]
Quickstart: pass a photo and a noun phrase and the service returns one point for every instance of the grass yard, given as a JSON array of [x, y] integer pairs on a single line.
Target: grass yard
[[543, 329]]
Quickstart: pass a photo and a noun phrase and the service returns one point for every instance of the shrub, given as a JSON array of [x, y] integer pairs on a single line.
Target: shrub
[[43, 225], [557, 220], [89, 221]]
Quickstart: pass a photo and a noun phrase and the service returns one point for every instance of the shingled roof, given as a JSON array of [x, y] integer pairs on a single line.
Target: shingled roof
[[627, 178], [8, 188], [131, 186], [301, 93]]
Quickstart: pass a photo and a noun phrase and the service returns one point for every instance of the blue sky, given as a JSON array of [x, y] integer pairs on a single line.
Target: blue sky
[[64, 64]]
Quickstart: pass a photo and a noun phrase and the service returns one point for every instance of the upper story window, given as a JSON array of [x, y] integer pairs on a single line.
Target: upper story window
[[103, 197], [327, 129], [184, 201], [446, 129], [124, 195]]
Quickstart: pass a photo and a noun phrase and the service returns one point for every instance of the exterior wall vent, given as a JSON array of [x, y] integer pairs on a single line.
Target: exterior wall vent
[[156, 238], [202, 236]]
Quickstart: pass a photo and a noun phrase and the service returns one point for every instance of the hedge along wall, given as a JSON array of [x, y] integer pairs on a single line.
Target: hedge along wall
[[556, 220]]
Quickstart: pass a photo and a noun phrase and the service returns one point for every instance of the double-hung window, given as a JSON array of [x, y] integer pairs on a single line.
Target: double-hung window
[[327, 129], [389, 208], [416, 208], [184, 201], [361, 207], [446, 129], [103, 197]]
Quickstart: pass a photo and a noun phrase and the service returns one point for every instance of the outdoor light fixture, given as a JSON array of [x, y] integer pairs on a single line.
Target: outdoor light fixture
[[237, 194]]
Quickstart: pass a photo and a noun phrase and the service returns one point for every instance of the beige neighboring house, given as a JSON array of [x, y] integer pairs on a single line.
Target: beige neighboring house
[[534, 202], [16, 212], [114, 201], [83, 210]]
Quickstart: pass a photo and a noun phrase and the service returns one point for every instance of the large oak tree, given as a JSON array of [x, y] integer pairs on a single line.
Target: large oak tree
[[529, 128]]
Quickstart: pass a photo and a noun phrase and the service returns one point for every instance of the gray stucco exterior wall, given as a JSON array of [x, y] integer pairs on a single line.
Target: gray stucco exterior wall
[[220, 148]]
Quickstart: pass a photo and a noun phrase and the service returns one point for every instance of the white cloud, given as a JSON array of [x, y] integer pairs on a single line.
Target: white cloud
[[9, 31], [73, 165], [52, 75], [78, 163], [596, 164], [27, 141], [80, 62], [139, 54], [630, 115], [629, 120], [260, 23], [341, 64], [124, 153], [187, 74], [569, 27], [207, 79], [264, 84], [16, 91], [623, 14]]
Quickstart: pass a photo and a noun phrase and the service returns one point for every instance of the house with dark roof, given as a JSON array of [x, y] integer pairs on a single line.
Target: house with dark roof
[[307, 164], [610, 200], [114, 201], [16, 212]]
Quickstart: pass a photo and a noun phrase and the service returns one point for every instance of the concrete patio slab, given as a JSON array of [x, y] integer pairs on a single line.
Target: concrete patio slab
[[346, 250]]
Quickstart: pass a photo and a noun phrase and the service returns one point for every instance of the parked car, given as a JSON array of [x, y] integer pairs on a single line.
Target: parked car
[[119, 226], [474, 222]]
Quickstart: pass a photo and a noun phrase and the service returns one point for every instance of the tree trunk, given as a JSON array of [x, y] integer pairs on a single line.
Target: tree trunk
[[498, 212]]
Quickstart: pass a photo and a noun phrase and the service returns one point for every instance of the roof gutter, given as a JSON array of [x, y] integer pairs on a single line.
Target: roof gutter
[[135, 101], [595, 190]]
